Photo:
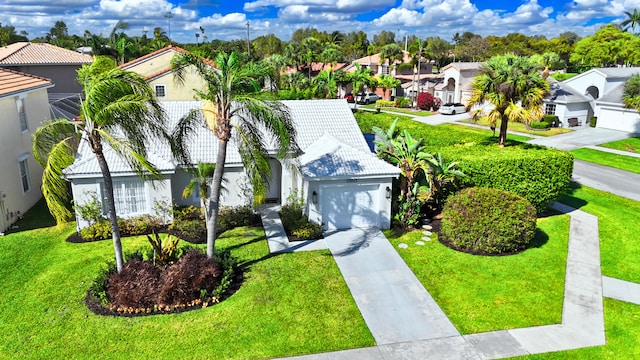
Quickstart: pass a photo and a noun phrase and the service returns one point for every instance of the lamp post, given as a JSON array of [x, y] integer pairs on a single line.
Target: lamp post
[[248, 41], [169, 15]]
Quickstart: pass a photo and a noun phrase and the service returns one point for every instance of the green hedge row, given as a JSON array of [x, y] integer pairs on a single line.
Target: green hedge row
[[537, 174]]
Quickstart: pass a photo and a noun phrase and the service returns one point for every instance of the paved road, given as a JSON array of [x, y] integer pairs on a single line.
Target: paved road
[[581, 138], [607, 179]]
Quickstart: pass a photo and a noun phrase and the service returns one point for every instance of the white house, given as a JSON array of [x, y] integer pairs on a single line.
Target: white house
[[24, 106], [457, 79], [597, 92], [344, 184]]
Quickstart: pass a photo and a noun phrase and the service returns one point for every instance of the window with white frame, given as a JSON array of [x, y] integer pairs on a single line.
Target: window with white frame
[[22, 115], [160, 90], [24, 173], [550, 109], [385, 69], [129, 197]]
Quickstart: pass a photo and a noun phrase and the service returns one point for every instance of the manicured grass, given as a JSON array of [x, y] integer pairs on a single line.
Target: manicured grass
[[621, 162], [400, 110], [289, 304], [630, 145], [520, 127], [486, 132], [619, 228], [621, 321], [486, 293]]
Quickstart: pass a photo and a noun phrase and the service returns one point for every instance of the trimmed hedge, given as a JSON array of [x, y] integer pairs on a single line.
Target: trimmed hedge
[[540, 125], [385, 103], [537, 174], [488, 221]]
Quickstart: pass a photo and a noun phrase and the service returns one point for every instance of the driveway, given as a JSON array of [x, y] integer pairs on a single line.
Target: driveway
[[612, 180]]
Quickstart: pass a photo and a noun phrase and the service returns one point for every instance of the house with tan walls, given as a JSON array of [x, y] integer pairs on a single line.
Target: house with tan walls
[[156, 69], [51, 62], [24, 106], [456, 82]]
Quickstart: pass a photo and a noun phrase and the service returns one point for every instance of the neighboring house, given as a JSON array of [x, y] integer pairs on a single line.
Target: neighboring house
[[456, 85], [597, 92], [23, 105], [401, 70], [344, 184], [156, 69], [51, 62]]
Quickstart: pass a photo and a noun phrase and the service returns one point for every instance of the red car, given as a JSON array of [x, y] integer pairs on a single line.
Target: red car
[[350, 98]]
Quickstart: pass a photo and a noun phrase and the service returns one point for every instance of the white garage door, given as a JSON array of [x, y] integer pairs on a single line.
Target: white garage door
[[349, 206]]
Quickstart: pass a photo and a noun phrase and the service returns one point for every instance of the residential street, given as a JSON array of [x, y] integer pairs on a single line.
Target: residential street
[[607, 179]]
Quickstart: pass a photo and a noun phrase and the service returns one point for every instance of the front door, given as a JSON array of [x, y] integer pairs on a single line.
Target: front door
[[274, 191]]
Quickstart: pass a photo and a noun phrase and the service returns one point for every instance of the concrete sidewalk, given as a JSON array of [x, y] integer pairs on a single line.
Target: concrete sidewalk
[[384, 288], [583, 137]]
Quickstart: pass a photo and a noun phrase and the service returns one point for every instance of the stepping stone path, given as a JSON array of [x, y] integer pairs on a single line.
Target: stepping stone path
[[426, 231], [426, 238], [421, 243], [403, 246]]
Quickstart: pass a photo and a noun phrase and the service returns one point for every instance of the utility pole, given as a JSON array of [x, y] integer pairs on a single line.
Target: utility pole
[[169, 15], [248, 41]]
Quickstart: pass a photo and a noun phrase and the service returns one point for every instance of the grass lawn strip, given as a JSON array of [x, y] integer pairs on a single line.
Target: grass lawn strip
[[627, 163], [289, 304], [399, 110], [630, 145], [487, 293], [520, 127], [618, 226]]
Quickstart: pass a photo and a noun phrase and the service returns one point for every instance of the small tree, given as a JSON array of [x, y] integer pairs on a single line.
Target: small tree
[[631, 96]]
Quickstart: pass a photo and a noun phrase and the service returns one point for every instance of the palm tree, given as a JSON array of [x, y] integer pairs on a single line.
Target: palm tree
[[387, 82], [359, 78], [633, 20], [325, 85], [513, 86], [118, 111], [200, 178], [234, 108], [391, 53]]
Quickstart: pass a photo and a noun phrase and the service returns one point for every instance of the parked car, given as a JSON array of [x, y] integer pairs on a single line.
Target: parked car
[[350, 98], [367, 98], [452, 108]]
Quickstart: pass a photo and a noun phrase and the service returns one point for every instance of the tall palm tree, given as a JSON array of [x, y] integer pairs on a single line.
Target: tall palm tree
[[514, 87], [359, 78], [118, 111], [391, 53], [234, 108], [632, 20], [325, 85]]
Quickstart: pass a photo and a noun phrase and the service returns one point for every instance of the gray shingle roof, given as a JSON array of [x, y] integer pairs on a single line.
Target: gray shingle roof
[[562, 93], [614, 96], [313, 119]]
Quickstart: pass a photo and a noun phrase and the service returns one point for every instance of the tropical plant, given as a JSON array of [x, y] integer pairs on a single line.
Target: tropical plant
[[387, 82], [410, 156], [118, 112], [632, 20], [631, 94], [442, 176], [324, 85], [201, 176], [514, 86], [391, 53], [359, 78], [234, 108]]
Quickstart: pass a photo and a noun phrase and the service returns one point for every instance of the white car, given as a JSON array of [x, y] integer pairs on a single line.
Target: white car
[[367, 98], [452, 108]]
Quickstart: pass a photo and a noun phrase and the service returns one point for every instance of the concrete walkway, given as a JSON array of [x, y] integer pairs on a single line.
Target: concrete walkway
[[407, 324], [583, 137]]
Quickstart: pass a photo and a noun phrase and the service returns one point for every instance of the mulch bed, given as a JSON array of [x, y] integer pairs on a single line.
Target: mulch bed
[[76, 238]]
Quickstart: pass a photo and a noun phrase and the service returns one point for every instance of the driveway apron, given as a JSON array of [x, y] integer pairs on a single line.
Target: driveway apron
[[393, 303]]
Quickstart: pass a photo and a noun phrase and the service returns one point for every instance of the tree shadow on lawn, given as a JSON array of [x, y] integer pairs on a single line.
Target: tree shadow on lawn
[[568, 197]]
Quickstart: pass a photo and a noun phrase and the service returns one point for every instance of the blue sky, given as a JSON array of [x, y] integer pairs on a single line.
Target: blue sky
[[224, 19]]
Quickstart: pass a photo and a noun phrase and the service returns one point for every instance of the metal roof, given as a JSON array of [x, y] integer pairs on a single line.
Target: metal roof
[[27, 53]]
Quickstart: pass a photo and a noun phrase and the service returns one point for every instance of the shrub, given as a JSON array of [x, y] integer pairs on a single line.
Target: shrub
[[136, 285], [98, 231], [294, 221], [553, 120], [385, 103], [425, 101], [403, 102], [537, 174], [139, 225], [164, 254], [184, 281], [488, 221], [436, 103], [593, 121], [91, 211], [190, 222], [539, 125], [232, 217]]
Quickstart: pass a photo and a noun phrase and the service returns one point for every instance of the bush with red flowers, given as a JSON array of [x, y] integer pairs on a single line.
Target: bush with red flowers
[[425, 101]]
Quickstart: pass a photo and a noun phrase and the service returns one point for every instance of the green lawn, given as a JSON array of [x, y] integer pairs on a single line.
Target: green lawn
[[289, 304], [630, 145], [486, 132], [627, 163], [486, 293], [619, 228], [520, 127], [400, 110]]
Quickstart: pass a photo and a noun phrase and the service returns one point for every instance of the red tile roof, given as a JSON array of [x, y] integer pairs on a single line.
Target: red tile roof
[[158, 52], [14, 82], [26, 53]]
